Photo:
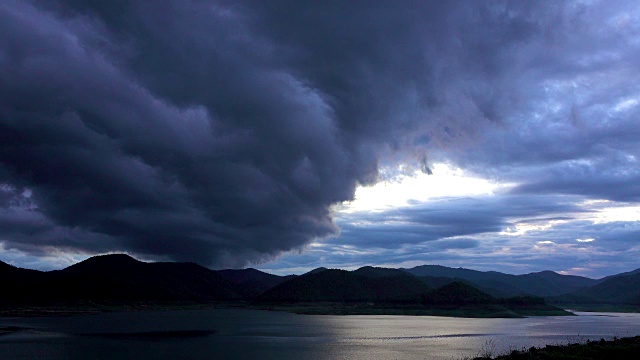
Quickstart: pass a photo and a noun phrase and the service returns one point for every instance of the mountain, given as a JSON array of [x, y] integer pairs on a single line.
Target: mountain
[[549, 283], [19, 284], [456, 293], [633, 272], [382, 291], [253, 282], [334, 285], [119, 278], [10, 270], [4, 267], [439, 278], [546, 283], [7, 271], [492, 282], [377, 272], [316, 270], [619, 289]]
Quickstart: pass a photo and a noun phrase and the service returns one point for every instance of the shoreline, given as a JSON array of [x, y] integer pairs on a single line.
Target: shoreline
[[90, 308], [465, 311], [617, 348]]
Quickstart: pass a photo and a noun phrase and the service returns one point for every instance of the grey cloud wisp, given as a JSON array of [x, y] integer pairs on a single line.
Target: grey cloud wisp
[[223, 132]]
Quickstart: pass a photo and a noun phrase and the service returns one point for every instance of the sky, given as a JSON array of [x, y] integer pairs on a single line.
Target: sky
[[289, 135]]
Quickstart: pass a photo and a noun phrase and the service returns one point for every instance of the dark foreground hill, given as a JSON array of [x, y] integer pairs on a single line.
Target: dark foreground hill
[[116, 278], [20, 284], [121, 277]]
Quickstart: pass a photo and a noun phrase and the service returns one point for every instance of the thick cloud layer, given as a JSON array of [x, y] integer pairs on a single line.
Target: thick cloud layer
[[223, 132], [574, 129]]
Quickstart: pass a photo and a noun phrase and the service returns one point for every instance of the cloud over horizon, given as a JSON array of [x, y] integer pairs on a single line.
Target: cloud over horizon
[[225, 132]]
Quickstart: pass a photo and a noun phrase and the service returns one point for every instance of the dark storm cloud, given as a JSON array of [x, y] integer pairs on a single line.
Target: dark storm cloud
[[221, 132]]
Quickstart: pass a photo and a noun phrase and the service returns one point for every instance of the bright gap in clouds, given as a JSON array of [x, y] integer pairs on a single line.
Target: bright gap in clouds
[[606, 211], [417, 187], [619, 213]]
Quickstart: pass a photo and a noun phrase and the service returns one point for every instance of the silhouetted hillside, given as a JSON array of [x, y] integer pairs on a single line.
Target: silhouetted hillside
[[10, 270], [377, 272], [633, 272], [456, 293], [344, 292], [4, 267], [546, 283], [19, 284], [344, 286], [549, 283], [316, 270], [253, 282], [621, 289], [119, 278], [434, 281]]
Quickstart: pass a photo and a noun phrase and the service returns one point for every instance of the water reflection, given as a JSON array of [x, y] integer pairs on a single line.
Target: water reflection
[[245, 334]]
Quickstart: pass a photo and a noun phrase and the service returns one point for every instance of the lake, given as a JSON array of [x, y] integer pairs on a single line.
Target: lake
[[253, 334]]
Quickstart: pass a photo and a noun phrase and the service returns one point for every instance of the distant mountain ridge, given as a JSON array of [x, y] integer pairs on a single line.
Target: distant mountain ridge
[[622, 289], [252, 282], [121, 278], [545, 283], [333, 285], [390, 291]]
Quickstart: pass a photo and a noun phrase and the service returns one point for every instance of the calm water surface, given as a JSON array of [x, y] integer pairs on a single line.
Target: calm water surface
[[248, 334]]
